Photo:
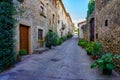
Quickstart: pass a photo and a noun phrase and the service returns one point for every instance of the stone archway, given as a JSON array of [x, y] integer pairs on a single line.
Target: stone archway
[[92, 30]]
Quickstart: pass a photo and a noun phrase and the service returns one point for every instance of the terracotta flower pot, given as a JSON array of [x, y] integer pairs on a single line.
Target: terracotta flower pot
[[94, 57], [107, 71]]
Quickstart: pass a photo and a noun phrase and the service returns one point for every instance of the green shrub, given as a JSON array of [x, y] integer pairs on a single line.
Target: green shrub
[[59, 41], [69, 35], [7, 29], [97, 50], [89, 47], [51, 39], [83, 43], [22, 52], [64, 38], [105, 62]]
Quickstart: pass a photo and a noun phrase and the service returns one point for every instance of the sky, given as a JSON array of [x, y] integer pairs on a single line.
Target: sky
[[77, 9]]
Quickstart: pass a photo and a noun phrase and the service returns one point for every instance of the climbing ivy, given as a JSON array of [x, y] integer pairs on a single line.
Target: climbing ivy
[[91, 6], [7, 28]]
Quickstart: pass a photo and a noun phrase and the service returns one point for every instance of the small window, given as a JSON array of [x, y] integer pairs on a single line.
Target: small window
[[96, 35], [106, 22], [40, 34], [53, 19], [50, 21], [41, 7]]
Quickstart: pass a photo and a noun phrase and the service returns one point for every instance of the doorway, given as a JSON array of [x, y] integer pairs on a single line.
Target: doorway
[[24, 37]]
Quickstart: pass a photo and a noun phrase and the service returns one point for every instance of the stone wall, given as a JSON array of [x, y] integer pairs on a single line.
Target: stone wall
[[40, 15], [31, 17], [52, 10], [86, 29], [65, 23], [81, 29], [108, 26]]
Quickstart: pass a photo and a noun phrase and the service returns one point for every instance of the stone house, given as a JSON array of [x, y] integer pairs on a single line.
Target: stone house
[[32, 25], [61, 19], [65, 23], [104, 25], [107, 23], [70, 24], [81, 26], [88, 29], [37, 18], [52, 15]]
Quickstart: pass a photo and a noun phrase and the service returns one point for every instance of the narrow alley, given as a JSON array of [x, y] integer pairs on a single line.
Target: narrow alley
[[59, 40], [65, 62]]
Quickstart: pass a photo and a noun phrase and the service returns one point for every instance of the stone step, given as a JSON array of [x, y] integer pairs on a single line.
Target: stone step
[[40, 50]]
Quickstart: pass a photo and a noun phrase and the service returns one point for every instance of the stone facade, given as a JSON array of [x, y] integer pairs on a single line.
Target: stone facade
[[81, 28], [104, 26], [70, 24], [107, 24], [89, 29], [52, 15], [37, 18], [33, 17], [65, 23]]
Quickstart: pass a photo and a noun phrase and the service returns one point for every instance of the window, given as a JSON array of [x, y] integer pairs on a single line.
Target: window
[[58, 6], [50, 21], [41, 7], [40, 34], [53, 18], [54, 3], [106, 22], [42, 13], [96, 35], [58, 19]]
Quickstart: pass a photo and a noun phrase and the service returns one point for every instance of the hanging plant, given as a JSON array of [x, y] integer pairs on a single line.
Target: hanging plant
[[21, 1]]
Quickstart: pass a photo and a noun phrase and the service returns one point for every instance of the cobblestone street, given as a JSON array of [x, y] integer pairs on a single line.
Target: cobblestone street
[[65, 62]]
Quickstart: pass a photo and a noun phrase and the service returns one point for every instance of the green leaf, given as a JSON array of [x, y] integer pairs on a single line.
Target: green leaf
[[93, 65], [109, 66], [116, 56]]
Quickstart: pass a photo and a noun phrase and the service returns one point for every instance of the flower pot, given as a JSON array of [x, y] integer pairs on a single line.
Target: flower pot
[[88, 53], [94, 57], [19, 58], [107, 71], [49, 47]]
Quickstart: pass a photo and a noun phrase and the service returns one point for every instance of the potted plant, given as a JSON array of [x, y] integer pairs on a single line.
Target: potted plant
[[22, 52], [97, 50], [105, 63]]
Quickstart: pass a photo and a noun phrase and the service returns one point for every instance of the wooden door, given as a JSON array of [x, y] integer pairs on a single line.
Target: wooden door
[[92, 29], [24, 37]]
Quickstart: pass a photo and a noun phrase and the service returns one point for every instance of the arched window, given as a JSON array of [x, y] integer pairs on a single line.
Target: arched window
[[106, 22]]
